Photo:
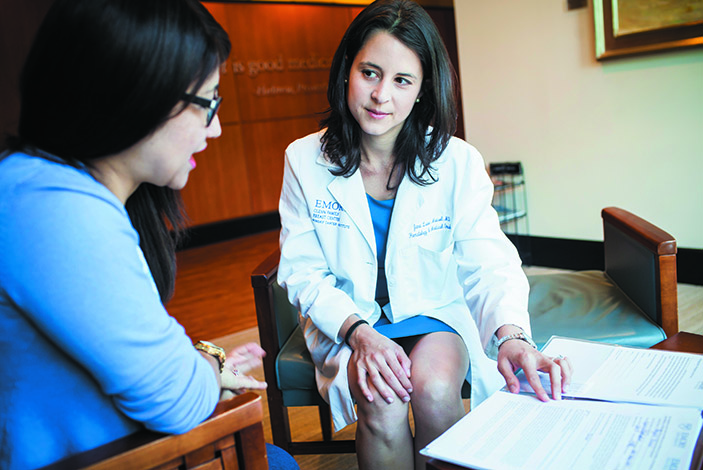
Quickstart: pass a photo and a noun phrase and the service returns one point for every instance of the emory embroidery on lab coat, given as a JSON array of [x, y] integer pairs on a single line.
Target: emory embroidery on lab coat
[[328, 213]]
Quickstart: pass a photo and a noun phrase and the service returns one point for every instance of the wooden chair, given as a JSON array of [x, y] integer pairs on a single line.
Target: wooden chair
[[632, 302], [627, 303], [232, 438]]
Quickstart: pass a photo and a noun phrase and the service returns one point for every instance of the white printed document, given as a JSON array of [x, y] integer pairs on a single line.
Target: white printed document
[[617, 373], [518, 432], [631, 408]]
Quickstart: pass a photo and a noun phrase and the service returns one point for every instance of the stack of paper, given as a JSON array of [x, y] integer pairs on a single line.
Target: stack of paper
[[627, 408]]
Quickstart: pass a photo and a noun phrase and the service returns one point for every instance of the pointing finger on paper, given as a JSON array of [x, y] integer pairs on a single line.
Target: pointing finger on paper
[[566, 371], [555, 379], [514, 355]]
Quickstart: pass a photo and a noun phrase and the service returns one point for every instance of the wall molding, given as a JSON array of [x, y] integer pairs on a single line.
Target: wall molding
[[206, 234]]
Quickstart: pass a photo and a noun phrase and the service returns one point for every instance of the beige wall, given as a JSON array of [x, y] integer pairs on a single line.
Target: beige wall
[[628, 132]]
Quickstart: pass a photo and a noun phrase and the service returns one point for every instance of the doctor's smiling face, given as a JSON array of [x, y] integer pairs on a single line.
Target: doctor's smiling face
[[385, 79]]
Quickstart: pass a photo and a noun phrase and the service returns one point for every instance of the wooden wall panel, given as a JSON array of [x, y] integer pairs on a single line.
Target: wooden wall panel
[[281, 55], [265, 162], [218, 189], [274, 89]]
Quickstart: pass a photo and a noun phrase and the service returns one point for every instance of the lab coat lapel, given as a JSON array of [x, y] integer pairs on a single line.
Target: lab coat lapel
[[350, 193], [408, 202]]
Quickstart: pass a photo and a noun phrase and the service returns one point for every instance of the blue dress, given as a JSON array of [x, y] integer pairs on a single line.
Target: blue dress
[[381, 212]]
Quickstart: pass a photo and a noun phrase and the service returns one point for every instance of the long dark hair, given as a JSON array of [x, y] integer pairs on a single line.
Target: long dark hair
[[104, 74], [410, 24]]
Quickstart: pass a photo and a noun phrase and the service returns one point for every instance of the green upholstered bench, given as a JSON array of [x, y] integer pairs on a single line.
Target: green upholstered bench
[[633, 302], [587, 305]]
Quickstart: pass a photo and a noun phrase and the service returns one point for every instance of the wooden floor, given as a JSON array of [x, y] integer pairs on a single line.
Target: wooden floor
[[213, 288], [214, 301]]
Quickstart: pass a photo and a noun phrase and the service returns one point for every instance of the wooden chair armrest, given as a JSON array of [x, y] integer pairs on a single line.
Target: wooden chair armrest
[[266, 271], [650, 236], [242, 414], [640, 258]]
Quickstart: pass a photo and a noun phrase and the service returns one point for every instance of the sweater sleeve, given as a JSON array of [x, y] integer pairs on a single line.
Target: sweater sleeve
[[76, 270]]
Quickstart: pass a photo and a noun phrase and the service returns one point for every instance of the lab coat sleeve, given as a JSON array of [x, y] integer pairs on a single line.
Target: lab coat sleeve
[[303, 269], [489, 267]]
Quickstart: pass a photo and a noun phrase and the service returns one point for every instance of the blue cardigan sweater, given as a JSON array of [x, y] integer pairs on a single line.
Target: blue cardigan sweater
[[88, 354]]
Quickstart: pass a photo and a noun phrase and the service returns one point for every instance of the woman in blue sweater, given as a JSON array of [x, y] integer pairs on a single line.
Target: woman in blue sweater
[[116, 98]]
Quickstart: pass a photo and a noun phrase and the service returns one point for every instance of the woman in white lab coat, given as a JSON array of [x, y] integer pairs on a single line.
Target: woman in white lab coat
[[391, 250]]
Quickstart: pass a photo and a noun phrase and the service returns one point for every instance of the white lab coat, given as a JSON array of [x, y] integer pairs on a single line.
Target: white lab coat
[[446, 258]]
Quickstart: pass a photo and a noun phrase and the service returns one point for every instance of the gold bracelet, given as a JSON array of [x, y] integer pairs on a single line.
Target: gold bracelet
[[215, 351]]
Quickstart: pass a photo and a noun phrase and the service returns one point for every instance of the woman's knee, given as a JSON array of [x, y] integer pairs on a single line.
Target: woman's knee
[[434, 381], [435, 389], [380, 417]]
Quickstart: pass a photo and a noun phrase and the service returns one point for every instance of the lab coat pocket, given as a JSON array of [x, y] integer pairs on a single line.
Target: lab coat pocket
[[429, 276]]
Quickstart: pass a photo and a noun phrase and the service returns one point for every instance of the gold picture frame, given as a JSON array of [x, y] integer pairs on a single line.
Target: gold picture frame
[[625, 27]]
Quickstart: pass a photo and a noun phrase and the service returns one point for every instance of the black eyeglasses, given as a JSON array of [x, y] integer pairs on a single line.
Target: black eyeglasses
[[211, 105]]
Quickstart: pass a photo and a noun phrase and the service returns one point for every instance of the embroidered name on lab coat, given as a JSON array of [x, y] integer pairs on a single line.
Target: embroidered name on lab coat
[[424, 228], [328, 213]]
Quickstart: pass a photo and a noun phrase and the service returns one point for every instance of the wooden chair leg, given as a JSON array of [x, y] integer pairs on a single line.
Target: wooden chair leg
[[280, 424], [325, 422], [252, 447]]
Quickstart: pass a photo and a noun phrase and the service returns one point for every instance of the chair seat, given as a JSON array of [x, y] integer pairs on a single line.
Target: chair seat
[[295, 372], [294, 367], [587, 305]]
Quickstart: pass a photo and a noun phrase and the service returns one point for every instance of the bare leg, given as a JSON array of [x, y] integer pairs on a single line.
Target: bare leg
[[439, 366], [383, 436]]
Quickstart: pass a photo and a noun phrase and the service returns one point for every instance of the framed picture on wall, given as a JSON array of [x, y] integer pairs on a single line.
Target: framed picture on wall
[[625, 27]]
